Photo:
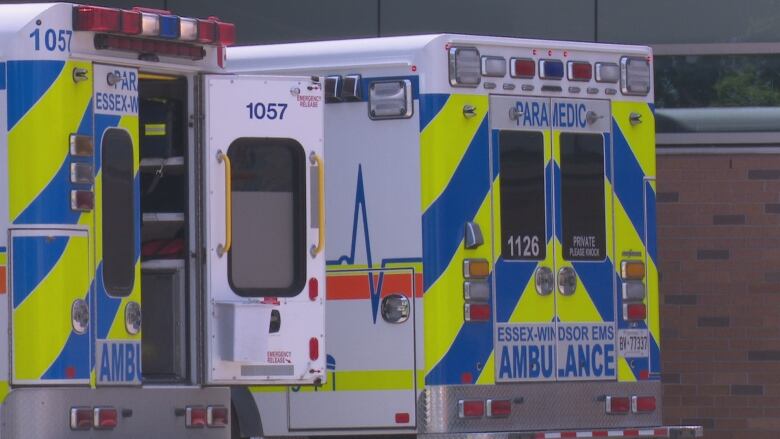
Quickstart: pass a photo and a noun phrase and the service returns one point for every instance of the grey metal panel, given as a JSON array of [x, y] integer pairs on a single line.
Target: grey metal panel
[[555, 19], [280, 21], [544, 406], [688, 21], [43, 413]]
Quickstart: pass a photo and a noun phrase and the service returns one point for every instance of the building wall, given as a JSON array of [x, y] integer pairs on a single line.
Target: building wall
[[719, 246]]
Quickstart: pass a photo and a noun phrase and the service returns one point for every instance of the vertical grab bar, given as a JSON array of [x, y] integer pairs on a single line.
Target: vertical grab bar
[[224, 248], [314, 159]]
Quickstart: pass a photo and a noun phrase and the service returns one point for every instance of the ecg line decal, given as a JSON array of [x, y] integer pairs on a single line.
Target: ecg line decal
[[361, 214]]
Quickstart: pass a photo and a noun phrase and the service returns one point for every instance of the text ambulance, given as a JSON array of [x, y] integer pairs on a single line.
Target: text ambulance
[[160, 226], [491, 259]]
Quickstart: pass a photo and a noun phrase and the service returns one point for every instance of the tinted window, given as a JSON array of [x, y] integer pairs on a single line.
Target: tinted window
[[268, 255], [521, 162], [118, 212], [582, 197]]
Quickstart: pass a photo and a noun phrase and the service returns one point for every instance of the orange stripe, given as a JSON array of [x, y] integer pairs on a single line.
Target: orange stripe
[[2, 279], [356, 286]]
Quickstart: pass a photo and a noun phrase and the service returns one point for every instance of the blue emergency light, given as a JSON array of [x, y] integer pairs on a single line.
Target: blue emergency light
[[550, 69], [169, 26]]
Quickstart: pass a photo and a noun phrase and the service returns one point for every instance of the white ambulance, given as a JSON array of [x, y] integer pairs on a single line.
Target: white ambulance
[[491, 259], [161, 226]]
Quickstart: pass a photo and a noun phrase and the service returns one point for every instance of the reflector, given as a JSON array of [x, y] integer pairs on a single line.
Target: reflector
[[105, 418], [499, 408], [314, 288], [195, 417], [314, 348], [217, 416], [80, 418], [643, 404]]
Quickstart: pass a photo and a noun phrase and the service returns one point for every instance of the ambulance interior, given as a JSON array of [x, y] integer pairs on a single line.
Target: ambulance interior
[[164, 227]]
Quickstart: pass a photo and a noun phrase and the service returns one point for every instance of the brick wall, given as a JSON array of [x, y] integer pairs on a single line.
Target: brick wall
[[719, 251]]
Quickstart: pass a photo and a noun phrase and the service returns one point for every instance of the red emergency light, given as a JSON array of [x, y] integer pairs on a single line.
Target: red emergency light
[[580, 71], [476, 312], [522, 68], [131, 22], [97, 19]]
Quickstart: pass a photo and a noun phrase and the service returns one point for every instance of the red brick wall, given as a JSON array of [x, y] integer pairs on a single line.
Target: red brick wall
[[719, 252]]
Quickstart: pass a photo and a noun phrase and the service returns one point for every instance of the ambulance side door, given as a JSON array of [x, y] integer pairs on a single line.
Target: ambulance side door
[[263, 222]]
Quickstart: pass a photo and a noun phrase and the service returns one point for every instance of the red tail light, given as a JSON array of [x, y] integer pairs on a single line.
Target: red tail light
[[402, 418], [476, 312], [82, 200], [635, 311], [643, 404], [195, 417], [217, 416], [314, 348], [499, 408], [314, 288], [80, 418], [105, 418], [471, 408], [618, 404], [93, 18]]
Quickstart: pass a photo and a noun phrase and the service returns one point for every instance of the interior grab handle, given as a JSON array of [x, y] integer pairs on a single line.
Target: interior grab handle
[[224, 248], [314, 159]]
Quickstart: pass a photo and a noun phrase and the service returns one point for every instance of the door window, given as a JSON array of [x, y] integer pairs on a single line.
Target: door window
[[582, 197], [523, 228], [268, 255]]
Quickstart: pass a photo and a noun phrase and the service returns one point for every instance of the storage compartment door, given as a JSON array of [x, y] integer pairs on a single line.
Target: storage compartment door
[[50, 293], [264, 218]]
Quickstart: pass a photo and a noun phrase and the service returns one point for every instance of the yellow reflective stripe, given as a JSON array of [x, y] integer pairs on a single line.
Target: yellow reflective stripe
[[488, 375], [3, 258], [154, 129], [624, 372], [443, 302], [640, 137], [5, 389], [445, 140], [38, 143], [42, 323]]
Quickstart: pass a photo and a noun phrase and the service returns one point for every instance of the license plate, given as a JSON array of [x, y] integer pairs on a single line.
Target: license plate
[[634, 343]]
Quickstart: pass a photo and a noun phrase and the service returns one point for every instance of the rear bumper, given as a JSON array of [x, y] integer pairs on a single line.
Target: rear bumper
[[44, 413], [682, 432]]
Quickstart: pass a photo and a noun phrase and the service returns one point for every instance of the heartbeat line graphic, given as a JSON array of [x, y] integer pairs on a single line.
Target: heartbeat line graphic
[[374, 282]]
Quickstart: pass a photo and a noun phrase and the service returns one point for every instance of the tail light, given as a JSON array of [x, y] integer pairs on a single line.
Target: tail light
[[476, 312], [635, 311], [217, 416], [618, 404], [96, 19], [314, 348], [643, 404], [81, 146], [476, 268], [80, 418], [471, 408], [402, 418], [82, 200], [499, 408], [195, 417], [105, 418]]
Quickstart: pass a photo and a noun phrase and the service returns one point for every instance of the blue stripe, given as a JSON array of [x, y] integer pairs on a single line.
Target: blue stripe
[[608, 156], [650, 243], [107, 306], [2, 76], [470, 350], [27, 82], [596, 277], [430, 106], [75, 354], [511, 280], [444, 221], [52, 205], [629, 183], [33, 259]]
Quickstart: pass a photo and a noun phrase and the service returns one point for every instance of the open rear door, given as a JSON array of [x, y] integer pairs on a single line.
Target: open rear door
[[264, 216]]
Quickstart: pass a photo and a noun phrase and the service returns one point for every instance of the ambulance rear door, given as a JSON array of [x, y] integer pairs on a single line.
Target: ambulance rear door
[[263, 219]]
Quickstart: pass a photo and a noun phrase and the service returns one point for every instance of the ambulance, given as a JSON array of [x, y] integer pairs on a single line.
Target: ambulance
[[491, 259], [161, 243]]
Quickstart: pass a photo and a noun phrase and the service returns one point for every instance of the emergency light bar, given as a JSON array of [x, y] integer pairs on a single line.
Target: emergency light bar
[[153, 23]]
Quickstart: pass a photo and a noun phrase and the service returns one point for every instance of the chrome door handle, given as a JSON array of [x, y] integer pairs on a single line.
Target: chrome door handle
[[567, 281], [545, 283]]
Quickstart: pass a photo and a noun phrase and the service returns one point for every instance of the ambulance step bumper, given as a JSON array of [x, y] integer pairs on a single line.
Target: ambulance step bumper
[[682, 432], [153, 412]]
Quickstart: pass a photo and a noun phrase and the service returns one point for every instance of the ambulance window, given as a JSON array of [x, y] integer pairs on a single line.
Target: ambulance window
[[582, 197], [118, 212], [521, 162], [268, 255]]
